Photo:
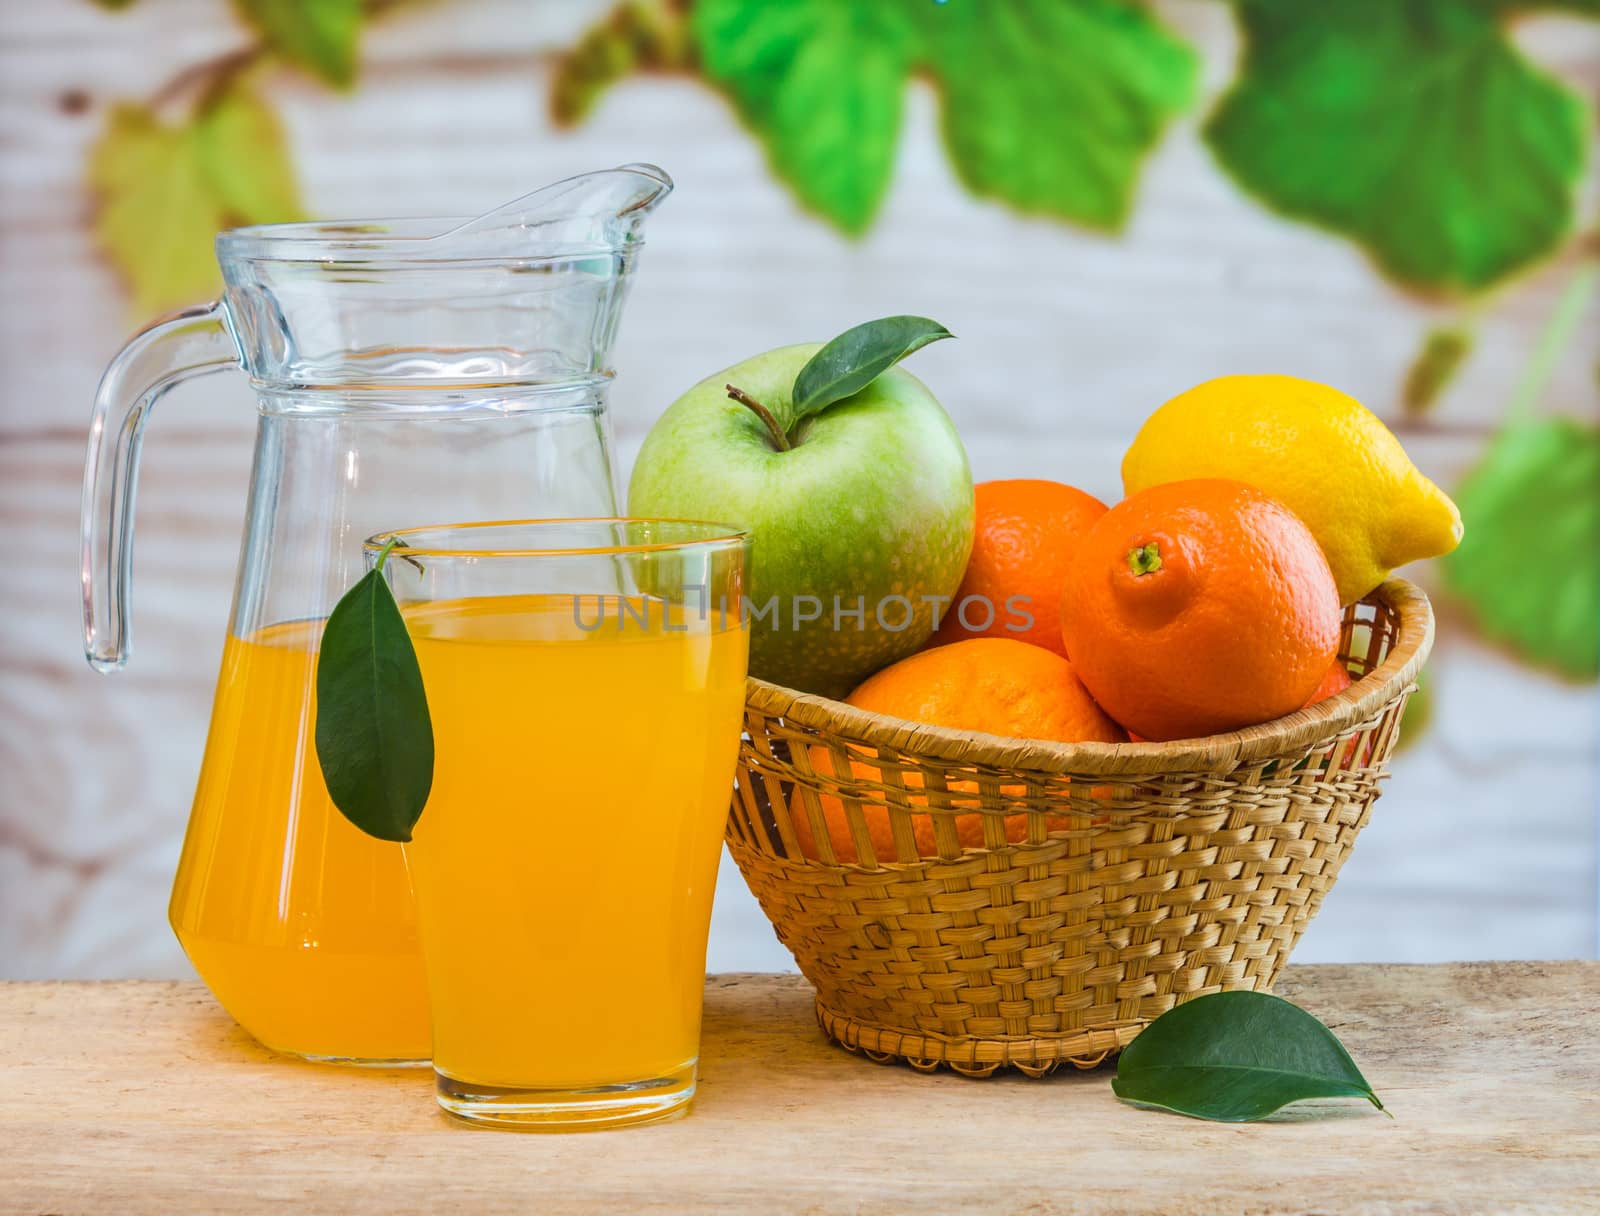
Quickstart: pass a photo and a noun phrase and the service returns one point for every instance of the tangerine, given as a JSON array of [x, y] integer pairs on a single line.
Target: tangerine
[[1025, 534], [1196, 607], [1334, 683], [999, 686]]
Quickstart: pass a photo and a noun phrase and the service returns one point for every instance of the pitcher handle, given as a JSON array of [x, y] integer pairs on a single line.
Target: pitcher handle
[[184, 344]]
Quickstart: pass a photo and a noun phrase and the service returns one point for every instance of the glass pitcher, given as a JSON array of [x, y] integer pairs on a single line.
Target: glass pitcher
[[406, 372]]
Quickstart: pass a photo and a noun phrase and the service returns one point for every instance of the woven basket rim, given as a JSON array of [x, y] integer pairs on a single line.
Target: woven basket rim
[[1296, 732]]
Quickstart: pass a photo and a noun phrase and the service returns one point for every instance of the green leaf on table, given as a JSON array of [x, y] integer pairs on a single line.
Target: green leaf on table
[[1235, 1057], [1415, 129], [374, 735], [1529, 561], [859, 356], [166, 190], [318, 35], [1049, 105]]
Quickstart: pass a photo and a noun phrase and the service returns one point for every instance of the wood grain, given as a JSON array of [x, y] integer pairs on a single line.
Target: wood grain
[[144, 1097], [1067, 339]]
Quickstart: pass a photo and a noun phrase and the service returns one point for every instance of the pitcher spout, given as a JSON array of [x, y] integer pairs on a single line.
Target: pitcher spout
[[596, 211]]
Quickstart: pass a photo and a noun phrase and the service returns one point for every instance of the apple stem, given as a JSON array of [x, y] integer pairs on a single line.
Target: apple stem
[[774, 431]]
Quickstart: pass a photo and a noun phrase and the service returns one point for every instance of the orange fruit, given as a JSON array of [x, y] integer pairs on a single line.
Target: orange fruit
[[1025, 535], [1196, 607], [1334, 683], [996, 685]]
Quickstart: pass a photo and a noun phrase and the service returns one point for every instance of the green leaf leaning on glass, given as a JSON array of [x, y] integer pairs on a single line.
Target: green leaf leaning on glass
[[1235, 1057], [844, 366], [374, 735]]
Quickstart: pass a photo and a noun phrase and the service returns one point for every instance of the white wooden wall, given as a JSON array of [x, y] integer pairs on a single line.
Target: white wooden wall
[[1485, 844]]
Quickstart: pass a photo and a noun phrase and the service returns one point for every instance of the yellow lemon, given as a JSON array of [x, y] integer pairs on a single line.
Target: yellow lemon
[[1321, 453]]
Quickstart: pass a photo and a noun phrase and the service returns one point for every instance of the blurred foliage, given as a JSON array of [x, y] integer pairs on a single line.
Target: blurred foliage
[[821, 83], [1529, 562], [638, 36], [166, 190], [1418, 714], [318, 35], [1410, 126], [1443, 352], [1049, 105]]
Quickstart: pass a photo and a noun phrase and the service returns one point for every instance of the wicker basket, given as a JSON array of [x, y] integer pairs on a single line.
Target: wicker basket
[[1114, 879]]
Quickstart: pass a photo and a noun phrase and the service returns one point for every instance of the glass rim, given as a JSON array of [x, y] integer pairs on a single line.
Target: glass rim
[[712, 535]]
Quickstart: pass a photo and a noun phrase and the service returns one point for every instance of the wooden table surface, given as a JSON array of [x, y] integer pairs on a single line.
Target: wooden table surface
[[144, 1097]]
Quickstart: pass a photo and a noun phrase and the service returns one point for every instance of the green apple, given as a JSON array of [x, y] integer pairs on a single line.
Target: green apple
[[860, 513]]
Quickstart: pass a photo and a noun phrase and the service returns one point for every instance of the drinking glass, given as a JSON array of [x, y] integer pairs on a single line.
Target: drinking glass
[[585, 680]]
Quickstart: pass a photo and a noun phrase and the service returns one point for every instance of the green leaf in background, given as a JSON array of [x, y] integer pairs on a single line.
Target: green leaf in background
[[1418, 714], [857, 357], [1443, 352], [374, 735], [158, 212], [1049, 105], [165, 192], [822, 82], [1052, 105], [1235, 1057], [1414, 128], [319, 35], [637, 36], [1529, 561], [241, 147], [114, 4]]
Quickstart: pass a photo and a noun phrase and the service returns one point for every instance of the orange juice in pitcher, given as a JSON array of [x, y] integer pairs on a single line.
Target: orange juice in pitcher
[[303, 926]]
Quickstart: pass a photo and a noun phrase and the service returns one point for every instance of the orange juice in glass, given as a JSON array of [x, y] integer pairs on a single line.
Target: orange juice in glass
[[585, 681]]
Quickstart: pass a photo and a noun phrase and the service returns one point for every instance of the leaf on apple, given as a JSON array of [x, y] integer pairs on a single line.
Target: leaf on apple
[[857, 357]]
